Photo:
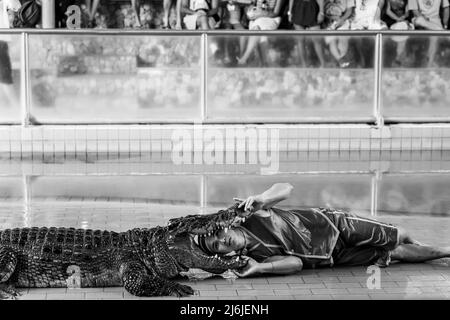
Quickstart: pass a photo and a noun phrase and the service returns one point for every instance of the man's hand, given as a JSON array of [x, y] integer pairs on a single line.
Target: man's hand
[[252, 268], [252, 203]]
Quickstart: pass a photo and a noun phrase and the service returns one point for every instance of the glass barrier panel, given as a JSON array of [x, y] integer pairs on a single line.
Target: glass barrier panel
[[414, 195], [110, 78], [416, 77], [12, 201], [345, 191], [295, 77], [10, 78], [113, 202], [420, 203]]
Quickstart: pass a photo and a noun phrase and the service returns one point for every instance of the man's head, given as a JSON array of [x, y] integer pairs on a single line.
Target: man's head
[[188, 253], [223, 241]]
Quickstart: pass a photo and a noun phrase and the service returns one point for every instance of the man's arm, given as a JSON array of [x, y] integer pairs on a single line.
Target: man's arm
[[273, 265], [266, 200]]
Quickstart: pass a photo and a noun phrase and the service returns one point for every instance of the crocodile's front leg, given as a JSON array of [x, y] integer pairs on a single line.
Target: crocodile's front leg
[[139, 281], [8, 263]]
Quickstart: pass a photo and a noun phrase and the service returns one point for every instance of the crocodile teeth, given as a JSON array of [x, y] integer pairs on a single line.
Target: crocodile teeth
[[237, 259], [216, 256], [243, 219], [226, 229]]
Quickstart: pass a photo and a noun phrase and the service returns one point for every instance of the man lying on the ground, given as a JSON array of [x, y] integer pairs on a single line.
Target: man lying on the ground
[[286, 241]]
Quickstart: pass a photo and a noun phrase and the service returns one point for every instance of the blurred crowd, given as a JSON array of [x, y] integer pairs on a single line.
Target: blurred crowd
[[265, 15]]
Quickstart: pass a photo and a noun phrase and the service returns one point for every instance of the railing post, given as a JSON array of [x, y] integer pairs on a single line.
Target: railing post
[[26, 184], [204, 76], [203, 193], [378, 73], [25, 81]]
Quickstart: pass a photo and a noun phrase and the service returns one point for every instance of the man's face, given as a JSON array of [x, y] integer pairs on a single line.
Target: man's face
[[225, 242]]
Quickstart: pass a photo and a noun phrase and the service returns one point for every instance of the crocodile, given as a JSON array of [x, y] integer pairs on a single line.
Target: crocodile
[[145, 261]]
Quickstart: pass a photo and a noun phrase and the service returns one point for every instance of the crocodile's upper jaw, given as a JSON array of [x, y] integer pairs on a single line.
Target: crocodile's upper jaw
[[206, 224]]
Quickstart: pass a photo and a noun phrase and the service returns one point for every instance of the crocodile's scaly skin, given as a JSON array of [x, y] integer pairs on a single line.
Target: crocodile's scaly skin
[[141, 260]]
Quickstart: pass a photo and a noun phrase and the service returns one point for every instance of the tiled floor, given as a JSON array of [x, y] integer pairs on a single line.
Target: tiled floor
[[401, 281]]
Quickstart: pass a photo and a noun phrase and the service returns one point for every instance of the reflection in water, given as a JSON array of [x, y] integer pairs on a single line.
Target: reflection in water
[[9, 79]]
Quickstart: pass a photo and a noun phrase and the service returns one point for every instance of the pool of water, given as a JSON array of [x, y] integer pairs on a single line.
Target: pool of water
[[408, 189]]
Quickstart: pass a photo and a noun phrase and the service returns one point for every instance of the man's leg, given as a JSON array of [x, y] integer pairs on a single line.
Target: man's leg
[[419, 253]]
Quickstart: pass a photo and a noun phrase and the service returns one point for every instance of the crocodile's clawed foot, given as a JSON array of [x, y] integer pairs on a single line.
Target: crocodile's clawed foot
[[8, 292], [181, 290]]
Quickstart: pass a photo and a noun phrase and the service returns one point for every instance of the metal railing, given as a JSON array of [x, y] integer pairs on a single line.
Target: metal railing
[[378, 117]]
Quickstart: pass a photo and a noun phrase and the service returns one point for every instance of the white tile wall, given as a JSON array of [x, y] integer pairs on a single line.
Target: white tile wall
[[135, 139]]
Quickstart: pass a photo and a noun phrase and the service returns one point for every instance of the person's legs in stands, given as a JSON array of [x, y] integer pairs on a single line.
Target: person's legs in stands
[[251, 44], [317, 43], [332, 42], [422, 23], [202, 22], [432, 48], [263, 23], [136, 4], [6, 80], [167, 5], [301, 46]]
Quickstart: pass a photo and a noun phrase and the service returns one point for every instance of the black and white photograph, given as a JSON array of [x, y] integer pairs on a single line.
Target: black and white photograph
[[224, 150]]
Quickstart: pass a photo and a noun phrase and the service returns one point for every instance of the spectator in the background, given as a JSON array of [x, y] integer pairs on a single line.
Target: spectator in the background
[[368, 15], [397, 14], [8, 8], [337, 15], [427, 16], [264, 16], [231, 16], [200, 14], [307, 15]]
